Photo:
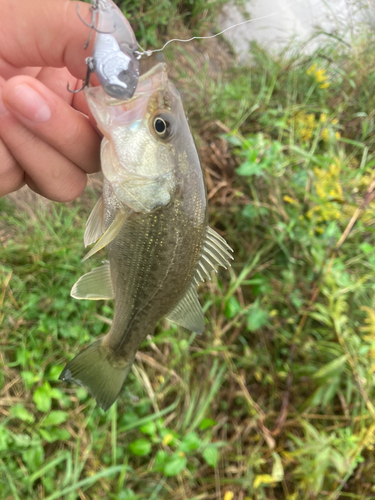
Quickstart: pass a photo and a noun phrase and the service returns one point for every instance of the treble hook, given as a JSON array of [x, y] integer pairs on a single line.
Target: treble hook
[[94, 9], [90, 68]]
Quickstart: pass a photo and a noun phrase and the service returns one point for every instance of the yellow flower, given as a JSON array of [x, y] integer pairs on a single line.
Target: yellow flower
[[323, 117], [228, 495], [334, 168], [370, 322], [311, 119], [312, 69], [337, 135], [290, 200], [262, 479], [167, 439], [305, 134], [329, 191], [325, 134], [335, 121], [320, 75], [305, 125]]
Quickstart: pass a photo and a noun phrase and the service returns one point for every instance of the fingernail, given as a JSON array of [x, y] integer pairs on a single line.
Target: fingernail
[[3, 109], [26, 101]]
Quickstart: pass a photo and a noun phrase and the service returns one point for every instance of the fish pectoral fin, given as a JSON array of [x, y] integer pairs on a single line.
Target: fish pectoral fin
[[95, 285], [110, 234], [215, 252], [188, 312], [95, 223]]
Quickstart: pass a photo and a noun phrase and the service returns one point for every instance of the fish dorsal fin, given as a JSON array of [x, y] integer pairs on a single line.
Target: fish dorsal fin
[[95, 223], [188, 312], [215, 252], [110, 234], [95, 285]]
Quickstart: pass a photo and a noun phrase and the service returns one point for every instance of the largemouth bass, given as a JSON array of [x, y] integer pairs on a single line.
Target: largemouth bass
[[153, 219]]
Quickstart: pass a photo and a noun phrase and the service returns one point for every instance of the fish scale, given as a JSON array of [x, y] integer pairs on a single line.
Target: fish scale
[[142, 272]]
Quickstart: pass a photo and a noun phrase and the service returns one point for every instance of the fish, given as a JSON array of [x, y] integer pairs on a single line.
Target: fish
[[152, 218]]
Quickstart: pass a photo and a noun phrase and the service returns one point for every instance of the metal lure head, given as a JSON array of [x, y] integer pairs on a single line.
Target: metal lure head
[[114, 60]]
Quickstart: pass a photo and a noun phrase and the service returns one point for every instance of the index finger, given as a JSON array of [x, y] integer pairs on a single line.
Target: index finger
[[45, 33]]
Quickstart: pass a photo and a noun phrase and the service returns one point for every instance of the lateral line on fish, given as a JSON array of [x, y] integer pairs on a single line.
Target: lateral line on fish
[[148, 53], [172, 262]]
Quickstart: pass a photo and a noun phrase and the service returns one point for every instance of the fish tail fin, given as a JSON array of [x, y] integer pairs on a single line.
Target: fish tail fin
[[97, 370]]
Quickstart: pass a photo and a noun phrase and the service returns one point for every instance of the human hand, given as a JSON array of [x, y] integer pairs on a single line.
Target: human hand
[[47, 139]]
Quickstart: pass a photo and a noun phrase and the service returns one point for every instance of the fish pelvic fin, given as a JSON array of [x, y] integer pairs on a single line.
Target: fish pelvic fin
[[97, 370], [95, 223], [110, 234]]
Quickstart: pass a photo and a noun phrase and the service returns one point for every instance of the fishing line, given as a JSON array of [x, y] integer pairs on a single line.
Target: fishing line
[[148, 53]]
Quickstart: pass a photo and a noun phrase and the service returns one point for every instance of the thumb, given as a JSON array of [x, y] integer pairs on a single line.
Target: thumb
[[45, 33]]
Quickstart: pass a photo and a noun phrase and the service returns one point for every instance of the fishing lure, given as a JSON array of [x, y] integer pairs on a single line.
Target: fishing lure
[[115, 58]]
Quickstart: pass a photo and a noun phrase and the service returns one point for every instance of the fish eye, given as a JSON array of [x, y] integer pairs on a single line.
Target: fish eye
[[162, 126]]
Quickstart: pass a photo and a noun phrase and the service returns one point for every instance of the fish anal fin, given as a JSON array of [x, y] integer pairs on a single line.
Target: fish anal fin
[[95, 285], [188, 312], [215, 252], [110, 234], [95, 223]]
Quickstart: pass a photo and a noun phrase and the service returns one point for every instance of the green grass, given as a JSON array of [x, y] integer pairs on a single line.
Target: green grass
[[275, 399], [152, 22]]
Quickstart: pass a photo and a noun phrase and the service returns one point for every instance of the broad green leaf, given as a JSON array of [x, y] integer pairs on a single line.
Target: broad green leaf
[[34, 457], [127, 494], [207, 423], [140, 447], [232, 307], [190, 442], [149, 428], [233, 139], [54, 434], [4, 438], [55, 418], [249, 168], [42, 398], [19, 411], [211, 455], [22, 440], [256, 318], [277, 469], [175, 464], [161, 458]]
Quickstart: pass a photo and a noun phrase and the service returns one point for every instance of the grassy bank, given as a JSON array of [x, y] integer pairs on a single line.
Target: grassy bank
[[274, 400]]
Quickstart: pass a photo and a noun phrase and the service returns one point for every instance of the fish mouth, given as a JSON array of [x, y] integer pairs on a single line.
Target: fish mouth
[[156, 78], [108, 110]]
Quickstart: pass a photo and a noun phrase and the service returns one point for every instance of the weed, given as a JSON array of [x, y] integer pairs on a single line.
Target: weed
[[275, 400]]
